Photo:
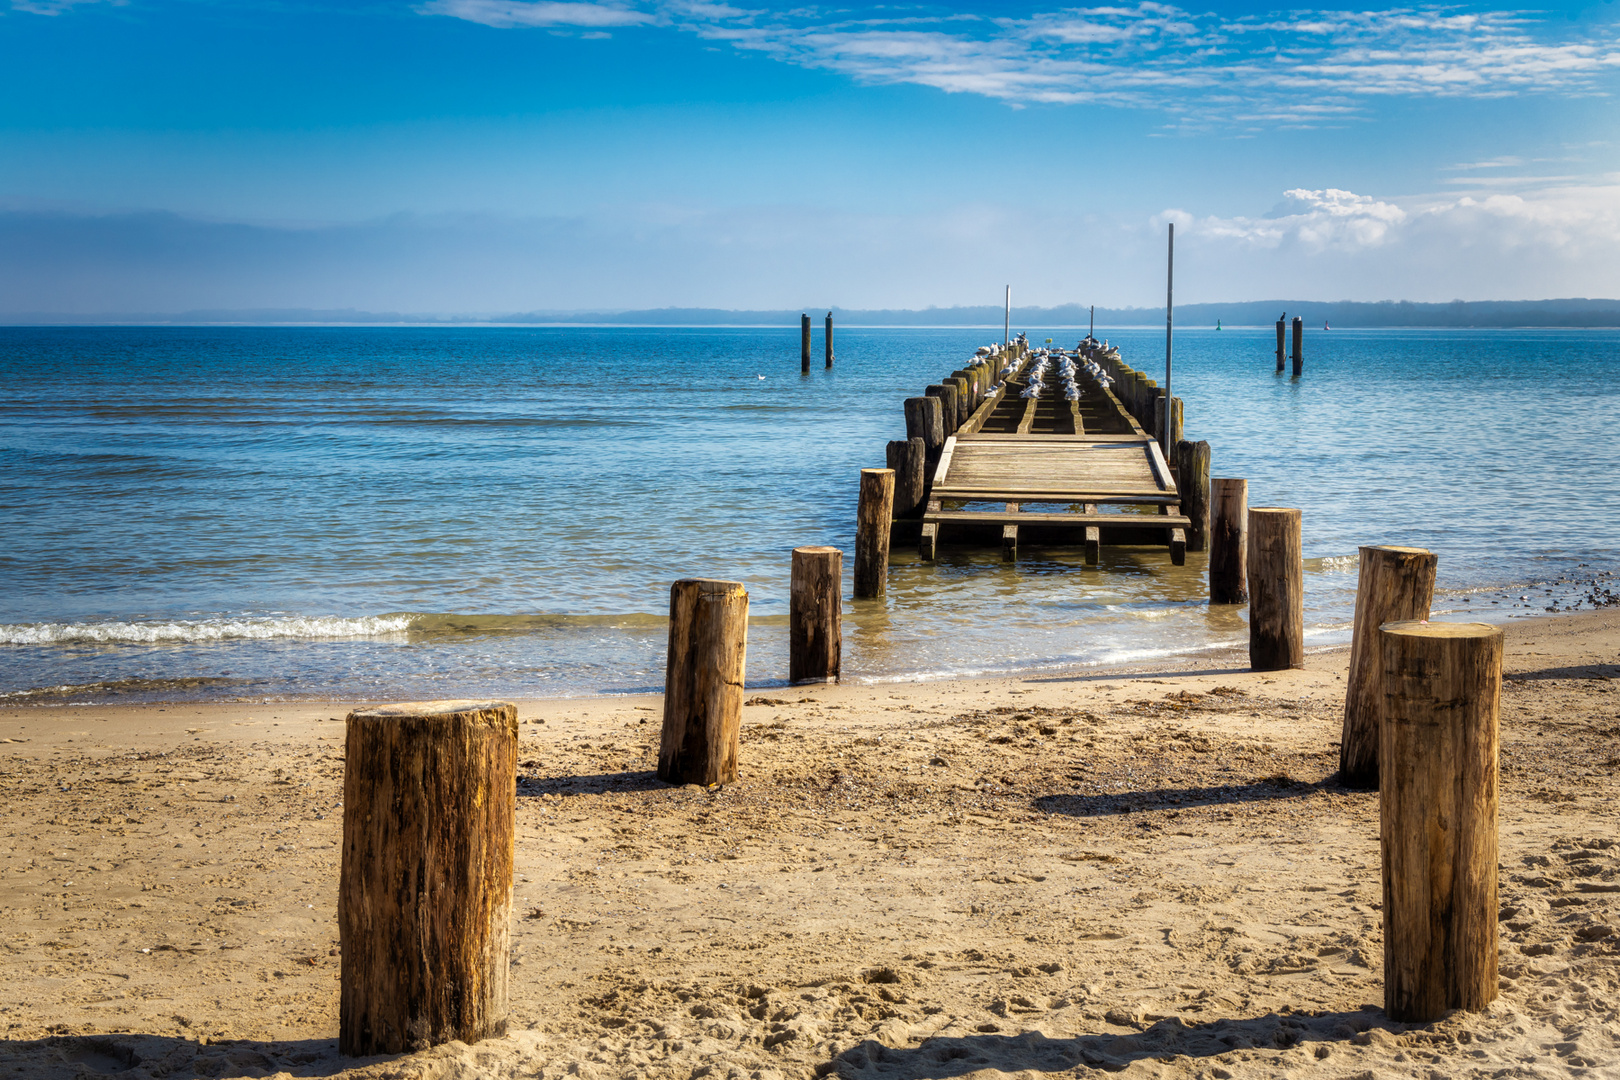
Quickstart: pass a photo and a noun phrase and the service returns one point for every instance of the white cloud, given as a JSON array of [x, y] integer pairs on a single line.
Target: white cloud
[[58, 7], [511, 13], [1304, 68], [1316, 220]]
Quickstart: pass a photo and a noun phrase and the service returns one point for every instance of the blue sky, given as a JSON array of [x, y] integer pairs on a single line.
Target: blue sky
[[508, 155]]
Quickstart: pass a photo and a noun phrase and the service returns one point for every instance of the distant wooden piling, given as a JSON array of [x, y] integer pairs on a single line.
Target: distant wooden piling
[[872, 532], [425, 888], [1282, 333], [829, 336], [1396, 585], [804, 343], [1192, 469], [1228, 541], [1299, 346], [1439, 747], [703, 681], [815, 615], [1276, 590], [909, 460]]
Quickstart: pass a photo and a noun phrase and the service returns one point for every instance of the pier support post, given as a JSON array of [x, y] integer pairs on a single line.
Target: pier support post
[[1158, 418], [908, 458], [815, 615], [804, 343], [1009, 537], [946, 393], [1228, 541], [1396, 585], [703, 681], [1282, 331], [425, 889], [872, 532], [1299, 346], [964, 398], [829, 337], [1192, 470], [1442, 687], [1093, 539], [925, 420], [1276, 590]]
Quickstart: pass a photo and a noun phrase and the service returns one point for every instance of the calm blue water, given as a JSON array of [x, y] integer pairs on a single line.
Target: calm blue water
[[379, 512]]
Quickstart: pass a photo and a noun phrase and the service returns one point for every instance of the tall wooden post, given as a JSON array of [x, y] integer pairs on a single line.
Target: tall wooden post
[[829, 340], [1282, 330], [925, 420], [1299, 346], [1276, 590], [1396, 585], [804, 343], [909, 460], [703, 681], [1438, 751], [1192, 468], [815, 615], [1228, 541], [425, 890], [872, 532], [964, 399]]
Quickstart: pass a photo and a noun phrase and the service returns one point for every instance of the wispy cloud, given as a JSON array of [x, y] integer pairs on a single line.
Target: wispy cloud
[[511, 13], [1295, 67], [58, 7]]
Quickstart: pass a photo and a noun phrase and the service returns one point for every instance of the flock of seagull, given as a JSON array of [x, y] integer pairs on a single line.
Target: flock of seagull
[[1067, 369]]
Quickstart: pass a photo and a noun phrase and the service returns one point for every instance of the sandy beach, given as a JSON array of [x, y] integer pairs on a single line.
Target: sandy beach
[[1146, 872]]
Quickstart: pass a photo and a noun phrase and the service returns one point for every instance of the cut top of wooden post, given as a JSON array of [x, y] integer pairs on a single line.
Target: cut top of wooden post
[[498, 710], [1417, 628]]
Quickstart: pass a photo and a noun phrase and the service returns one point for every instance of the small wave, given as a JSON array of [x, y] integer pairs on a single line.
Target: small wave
[[192, 631], [1335, 564], [116, 688]]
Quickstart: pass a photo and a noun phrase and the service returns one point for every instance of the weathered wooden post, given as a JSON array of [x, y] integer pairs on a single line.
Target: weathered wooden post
[[815, 615], [425, 889], [1192, 470], [1158, 418], [946, 393], [1299, 346], [925, 420], [1281, 333], [703, 681], [1438, 752], [1276, 590], [872, 532], [1396, 585], [1228, 541], [909, 460], [804, 343], [829, 340], [964, 399]]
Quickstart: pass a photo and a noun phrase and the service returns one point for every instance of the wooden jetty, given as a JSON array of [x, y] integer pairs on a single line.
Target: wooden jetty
[[1070, 461]]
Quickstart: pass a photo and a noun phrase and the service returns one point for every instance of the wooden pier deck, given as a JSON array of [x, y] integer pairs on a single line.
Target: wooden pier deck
[[1064, 469]]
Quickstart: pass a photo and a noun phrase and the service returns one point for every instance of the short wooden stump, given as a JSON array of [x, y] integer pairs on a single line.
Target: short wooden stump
[[425, 897]]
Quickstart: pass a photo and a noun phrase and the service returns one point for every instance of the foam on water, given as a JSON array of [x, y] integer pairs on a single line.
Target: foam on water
[[193, 631]]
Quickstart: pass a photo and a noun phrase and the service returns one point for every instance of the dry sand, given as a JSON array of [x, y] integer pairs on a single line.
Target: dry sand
[[1149, 873]]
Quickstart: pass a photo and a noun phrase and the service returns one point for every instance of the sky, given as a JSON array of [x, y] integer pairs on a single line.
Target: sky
[[497, 156]]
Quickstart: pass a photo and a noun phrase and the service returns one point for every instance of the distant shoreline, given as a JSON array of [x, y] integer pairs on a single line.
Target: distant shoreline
[[1569, 313]]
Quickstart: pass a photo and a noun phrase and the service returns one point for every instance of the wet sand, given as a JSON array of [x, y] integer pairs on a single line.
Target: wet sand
[[1148, 872]]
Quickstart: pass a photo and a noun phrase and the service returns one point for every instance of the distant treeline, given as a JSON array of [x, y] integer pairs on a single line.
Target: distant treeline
[[1342, 313]]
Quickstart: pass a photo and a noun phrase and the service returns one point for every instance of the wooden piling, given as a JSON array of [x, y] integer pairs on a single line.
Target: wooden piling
[[1282, 330], [829, 336], [1158, 418], [1228, 541], [703, 681], [815, 615], [1009, 537], [1396, 585], [1093, 538], [1299, 346], [964, 398], [1439, 748], [909, 460], [946, 393], [1276, 590], [804, 343], [925, 420], [872, 532], [1192, 469], [425, 888]]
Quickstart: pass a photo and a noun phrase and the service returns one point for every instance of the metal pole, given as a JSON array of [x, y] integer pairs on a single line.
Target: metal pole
[[1006, 332], [1169, 323], [1093, 331]]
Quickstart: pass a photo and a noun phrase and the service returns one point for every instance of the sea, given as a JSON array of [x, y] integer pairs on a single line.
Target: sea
[[400, 513]]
